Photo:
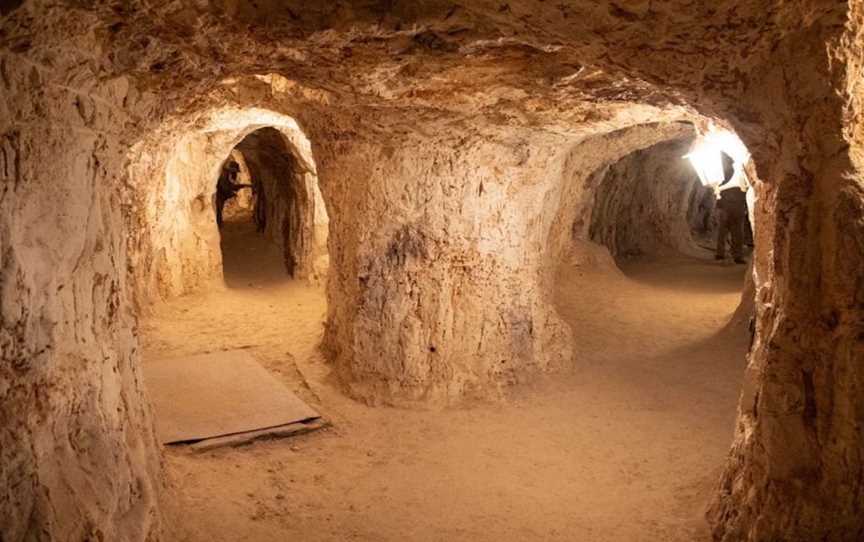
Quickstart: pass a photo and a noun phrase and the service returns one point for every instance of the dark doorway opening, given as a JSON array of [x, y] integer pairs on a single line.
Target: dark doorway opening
[[265, 229]]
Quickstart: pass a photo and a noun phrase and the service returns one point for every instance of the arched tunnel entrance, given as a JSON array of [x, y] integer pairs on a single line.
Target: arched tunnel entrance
[[267, 211], [643, 255], [177, 245]]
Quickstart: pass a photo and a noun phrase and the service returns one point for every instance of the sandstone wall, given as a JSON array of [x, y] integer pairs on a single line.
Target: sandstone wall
[[78, 457], [433, 291], [434, 127], [451, 294], [643, 203]]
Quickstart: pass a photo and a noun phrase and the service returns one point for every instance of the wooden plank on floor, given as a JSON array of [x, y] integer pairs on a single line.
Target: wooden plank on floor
[[282, 431], [216, 394]]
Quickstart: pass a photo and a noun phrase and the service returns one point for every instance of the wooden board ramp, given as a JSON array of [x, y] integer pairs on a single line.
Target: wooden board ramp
[[226, 397]]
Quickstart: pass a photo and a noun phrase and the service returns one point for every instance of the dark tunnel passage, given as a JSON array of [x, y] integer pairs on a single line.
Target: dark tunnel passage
[[266, 228]]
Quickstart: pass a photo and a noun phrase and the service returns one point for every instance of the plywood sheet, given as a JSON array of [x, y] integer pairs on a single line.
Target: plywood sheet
[[216, 394]]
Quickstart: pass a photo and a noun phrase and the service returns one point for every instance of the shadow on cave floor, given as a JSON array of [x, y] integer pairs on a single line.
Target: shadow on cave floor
[[249, 260], [632, 438], [686, 274], [648, 306]]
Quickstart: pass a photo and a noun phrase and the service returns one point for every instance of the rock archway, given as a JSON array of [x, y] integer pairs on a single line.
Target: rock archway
[[172, 181]]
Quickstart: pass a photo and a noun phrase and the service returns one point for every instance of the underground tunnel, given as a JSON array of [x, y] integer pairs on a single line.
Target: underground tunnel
[[468, 286], [275, 198]]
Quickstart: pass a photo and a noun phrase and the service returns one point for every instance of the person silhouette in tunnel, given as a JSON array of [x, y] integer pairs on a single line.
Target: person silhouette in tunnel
[[226, 188], [731, 211]]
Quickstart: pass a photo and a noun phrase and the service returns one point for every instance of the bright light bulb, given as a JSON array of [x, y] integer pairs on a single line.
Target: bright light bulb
[[706, 155]]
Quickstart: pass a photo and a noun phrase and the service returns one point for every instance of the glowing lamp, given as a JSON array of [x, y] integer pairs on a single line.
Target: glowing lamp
[[707, 163], [705, 155]]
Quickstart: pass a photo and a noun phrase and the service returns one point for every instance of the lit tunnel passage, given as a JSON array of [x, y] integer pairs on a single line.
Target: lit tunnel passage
[[660, 200], [649, 222]]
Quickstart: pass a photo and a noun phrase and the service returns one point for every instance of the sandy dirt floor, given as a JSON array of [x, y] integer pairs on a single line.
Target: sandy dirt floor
[[625, 447]]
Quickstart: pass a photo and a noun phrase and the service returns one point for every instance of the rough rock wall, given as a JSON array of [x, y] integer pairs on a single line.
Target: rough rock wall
[[643, 203], [433, 292], [795, 470], [78, 457], [174, 241], [571, 205], [451, 295]]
